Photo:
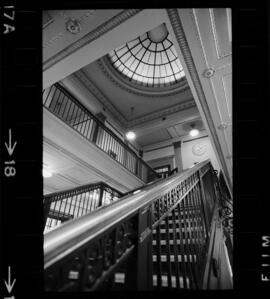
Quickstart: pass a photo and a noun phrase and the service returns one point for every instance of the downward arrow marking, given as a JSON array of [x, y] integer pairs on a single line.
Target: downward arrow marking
[[9, 147], [8, 285]]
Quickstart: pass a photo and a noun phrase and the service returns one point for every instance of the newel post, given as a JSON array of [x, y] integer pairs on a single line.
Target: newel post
[[140, 267]]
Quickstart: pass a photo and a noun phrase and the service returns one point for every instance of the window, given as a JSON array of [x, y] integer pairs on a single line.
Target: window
[[149, 60]]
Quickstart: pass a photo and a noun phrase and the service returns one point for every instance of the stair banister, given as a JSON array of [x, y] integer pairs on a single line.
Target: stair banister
[[60, 106], [133, 217]]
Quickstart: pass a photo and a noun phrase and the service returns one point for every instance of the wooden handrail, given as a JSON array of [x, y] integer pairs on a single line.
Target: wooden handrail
[[72, 235]]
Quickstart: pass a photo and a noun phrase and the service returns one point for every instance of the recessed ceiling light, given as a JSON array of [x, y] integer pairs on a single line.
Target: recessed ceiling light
[[46, 173], [193, 132], [130, 135]]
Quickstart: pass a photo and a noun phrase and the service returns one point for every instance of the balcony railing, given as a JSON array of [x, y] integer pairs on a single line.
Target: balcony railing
[[156, 238], [62, 206], [63, 105]]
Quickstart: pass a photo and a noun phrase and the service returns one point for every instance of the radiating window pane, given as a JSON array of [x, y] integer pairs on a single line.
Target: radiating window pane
[[150, 59]]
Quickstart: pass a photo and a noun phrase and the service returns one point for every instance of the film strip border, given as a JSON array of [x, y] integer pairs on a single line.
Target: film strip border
[[21, 152]]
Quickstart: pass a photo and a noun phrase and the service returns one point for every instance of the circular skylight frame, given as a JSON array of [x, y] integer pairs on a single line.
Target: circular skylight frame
[[147, 62]]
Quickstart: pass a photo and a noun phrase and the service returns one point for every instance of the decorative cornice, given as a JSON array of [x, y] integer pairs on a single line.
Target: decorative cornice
[[162, 113], [124, 83], [85, 80], [183, 44], [97, 93], [91, 36]]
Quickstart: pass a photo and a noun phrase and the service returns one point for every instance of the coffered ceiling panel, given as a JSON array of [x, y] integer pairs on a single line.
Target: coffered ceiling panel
[[155, 137], [180, 130], [221, 23]]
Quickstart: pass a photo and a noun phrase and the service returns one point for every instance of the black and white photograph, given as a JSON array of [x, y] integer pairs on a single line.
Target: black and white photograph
[[133, 149], [137, 149]]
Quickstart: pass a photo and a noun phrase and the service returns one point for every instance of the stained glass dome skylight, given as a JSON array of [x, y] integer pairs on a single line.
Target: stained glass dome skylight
[[149, 60]]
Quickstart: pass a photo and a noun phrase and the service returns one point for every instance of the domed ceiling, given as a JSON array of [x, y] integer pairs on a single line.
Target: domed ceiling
[[149, 60]]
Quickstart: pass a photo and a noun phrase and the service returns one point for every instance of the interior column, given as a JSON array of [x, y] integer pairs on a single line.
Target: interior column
[[178, 155]]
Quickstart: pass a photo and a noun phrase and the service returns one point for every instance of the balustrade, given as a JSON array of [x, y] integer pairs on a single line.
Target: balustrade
[[62, 104], [62, 206], [156, 238]]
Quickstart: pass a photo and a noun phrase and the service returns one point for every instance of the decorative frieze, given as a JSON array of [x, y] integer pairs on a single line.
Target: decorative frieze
[[149, 92]]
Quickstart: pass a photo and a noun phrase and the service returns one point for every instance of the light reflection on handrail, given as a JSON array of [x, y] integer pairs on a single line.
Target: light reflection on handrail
[[75, 233]]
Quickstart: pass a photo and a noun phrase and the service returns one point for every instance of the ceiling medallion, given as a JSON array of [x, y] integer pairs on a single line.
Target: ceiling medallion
[[224, 126], [73, 26], [208, 73]]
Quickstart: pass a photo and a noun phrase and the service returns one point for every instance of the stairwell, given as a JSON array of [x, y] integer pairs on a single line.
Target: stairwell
[[155, 239], [179, 247]]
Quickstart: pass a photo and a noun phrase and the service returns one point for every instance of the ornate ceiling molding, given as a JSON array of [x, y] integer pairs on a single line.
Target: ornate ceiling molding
[[124, 83], [183, 44], [85, 80], [91, 36], [162, 113], [97, 93]]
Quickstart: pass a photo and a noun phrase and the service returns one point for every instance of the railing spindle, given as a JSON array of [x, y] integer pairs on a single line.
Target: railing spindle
[[194, 250], [169, 265], [187, 242], [182, 246], [175, 204], [175, 249]]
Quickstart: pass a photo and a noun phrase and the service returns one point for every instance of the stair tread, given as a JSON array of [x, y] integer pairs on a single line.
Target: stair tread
[[163, 230], [163, 258], [178, 242], [164, 281]]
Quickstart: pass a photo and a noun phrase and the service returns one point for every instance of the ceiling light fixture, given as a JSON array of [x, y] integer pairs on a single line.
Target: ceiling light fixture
[[193, 132], [46, 173], [130, 135]]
